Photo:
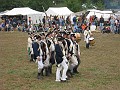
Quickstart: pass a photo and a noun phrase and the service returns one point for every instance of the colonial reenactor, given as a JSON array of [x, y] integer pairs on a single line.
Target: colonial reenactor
[[77, 53], [45, 53], [51, 48], [29, 47], [61, 61], [35, 46], [66, 47], [73, 58], [38, 56], [69, 44]]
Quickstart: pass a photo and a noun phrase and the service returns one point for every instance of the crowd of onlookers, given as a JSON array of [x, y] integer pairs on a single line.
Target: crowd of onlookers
[[12, 23], [76, 23]]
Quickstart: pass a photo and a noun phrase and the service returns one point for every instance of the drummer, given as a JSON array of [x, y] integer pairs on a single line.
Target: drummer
[[87, 35]]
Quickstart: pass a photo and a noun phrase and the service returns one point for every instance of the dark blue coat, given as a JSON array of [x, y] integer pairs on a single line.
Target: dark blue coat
[[59, 54], [35, 47]]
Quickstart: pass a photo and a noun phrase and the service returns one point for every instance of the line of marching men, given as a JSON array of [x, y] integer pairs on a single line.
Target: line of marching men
[[55, 47]]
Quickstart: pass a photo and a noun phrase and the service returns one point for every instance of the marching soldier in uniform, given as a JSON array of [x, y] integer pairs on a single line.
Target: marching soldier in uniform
[[73, 58], [51, 48], [45, 53], [66, 48], [29, 46], [61, 61], [69, 45], [35, 46], [38, 55], [77, 53]]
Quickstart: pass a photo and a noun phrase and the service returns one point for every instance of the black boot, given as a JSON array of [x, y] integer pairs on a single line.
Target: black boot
[[32, 57], [69, 74], [75, 69], [38, 76], [46, 72], [50, 69], [42, 72]]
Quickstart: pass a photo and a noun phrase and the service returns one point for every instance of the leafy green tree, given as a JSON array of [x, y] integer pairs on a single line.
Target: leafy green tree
[[100, 5], [74, 5]]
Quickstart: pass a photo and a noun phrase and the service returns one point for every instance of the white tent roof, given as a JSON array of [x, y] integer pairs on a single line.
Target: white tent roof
[[2, 13], [93, 10], [36, 16], [98, 13], [58, 11], [22, 11], [106, 12]]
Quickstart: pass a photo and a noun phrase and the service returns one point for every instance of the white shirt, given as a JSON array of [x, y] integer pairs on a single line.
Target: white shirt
[[87, 34]]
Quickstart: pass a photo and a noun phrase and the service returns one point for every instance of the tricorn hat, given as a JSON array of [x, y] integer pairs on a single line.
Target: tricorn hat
[[73, 35], [60, 38], [49, 33]]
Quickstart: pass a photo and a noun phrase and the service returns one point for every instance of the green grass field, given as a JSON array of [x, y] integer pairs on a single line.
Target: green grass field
[[99, 70]]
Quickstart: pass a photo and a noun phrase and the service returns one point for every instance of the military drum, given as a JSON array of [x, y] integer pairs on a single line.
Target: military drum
[[78, 37], [92, 41]]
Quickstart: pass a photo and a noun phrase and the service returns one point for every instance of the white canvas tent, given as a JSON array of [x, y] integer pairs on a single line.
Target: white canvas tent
[[61, 11], [117, 13], [36, 16], [99, 13]]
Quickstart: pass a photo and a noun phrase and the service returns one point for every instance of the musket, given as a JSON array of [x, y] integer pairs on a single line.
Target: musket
[[44, 11]]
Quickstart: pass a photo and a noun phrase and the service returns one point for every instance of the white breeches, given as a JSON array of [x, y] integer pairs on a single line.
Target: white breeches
[[61, 66], [47, 62], [73, 62], [87, 40], [31, 50], [41, 65]]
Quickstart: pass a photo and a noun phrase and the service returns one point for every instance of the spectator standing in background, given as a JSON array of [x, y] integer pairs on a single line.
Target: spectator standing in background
[[101, 23], [44, 21], [112, 22]]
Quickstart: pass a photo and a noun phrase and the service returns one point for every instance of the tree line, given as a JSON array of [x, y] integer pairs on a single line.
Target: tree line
[[74, 5]]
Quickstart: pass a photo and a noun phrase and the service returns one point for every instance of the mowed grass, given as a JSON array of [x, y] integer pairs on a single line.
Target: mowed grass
[[99, 69]]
